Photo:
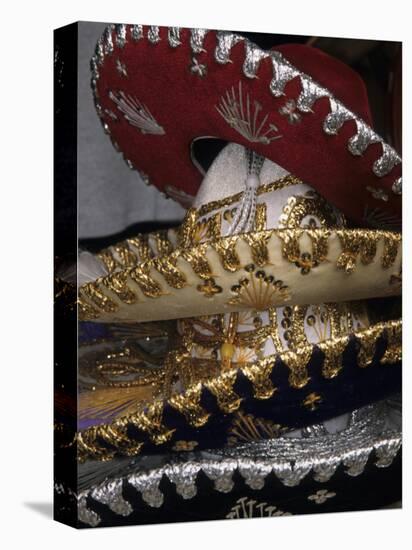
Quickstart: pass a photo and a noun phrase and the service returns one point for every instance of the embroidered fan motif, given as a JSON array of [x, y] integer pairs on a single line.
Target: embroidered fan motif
[[243, 116], [137, 114]]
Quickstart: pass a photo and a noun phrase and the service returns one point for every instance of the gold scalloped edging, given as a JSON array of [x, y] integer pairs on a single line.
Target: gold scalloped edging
[[356, 244], [150, 422]]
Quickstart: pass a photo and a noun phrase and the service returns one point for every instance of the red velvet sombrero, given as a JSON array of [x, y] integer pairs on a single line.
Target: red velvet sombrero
[[159, 89]]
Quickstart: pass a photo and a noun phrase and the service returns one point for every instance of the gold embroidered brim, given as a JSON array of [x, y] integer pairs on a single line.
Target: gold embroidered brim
[[255, 270], [373, 349]]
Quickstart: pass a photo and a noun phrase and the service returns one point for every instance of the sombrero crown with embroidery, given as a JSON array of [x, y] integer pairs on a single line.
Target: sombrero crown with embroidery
[[159, 90], [244, 336]]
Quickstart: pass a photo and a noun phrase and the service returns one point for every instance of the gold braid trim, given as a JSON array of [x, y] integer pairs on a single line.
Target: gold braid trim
[[167, 268], [260, 217], [354, 244], [163, 245], [141, 244], [281, 183], [297, 362], [127, 258], [258, 244], [259, 375], [117, 283], [150, 420], [187, 229], [148, 286], [93, 293], [393, 352], [222, 388], [196, 258], [109, 260], [391, 246], [86, 312], [188, 404], [227, 253]]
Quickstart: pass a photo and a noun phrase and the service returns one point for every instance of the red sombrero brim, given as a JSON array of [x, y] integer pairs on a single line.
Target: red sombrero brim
[[157, 90]]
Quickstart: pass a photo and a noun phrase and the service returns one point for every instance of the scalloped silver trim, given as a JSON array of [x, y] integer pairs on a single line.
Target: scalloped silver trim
[[290, 459], [153, 34], [136, 32], [225, 43], [397, 187], [173, 35], [283, 72], [120, 35], [197, 38]]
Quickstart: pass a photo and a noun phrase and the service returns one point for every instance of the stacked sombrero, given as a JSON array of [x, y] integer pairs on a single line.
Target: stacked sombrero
[[267, 311]]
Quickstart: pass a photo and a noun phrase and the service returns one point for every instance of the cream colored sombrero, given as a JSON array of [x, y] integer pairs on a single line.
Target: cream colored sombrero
[[296, 251], [268, 291]]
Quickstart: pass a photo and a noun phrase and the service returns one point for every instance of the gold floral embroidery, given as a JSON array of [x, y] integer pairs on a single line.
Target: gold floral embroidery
[[312, 401], [209, 288], [298, 207]]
